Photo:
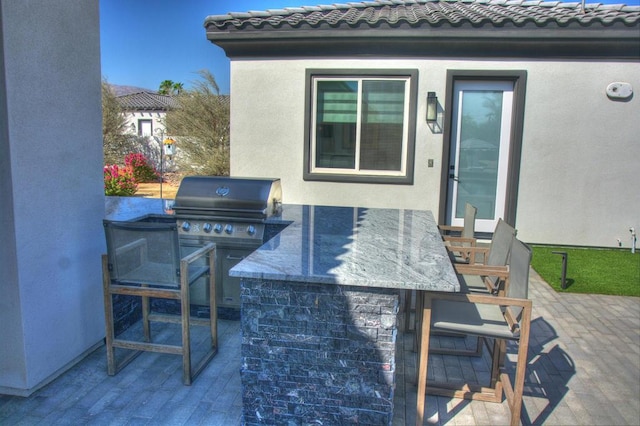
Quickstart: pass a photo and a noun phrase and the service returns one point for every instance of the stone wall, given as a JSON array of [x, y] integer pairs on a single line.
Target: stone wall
[[317, 353]]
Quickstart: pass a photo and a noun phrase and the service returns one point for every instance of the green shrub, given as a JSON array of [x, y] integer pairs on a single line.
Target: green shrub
[[119, 181], [142, 170]]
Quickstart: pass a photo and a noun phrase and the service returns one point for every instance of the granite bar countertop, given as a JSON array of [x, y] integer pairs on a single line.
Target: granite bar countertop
[[387, 248], [128, 208]]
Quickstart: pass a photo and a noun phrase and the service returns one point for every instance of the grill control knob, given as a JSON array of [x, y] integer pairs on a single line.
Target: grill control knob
[[207, 227], [251, 230], [186, 226], [228, 229], [217, 228]]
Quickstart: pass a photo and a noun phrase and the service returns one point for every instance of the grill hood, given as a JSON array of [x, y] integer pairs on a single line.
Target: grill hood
[[228, 197]]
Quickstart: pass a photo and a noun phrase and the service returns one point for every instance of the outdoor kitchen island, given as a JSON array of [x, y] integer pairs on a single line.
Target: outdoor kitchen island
[[319, 304]]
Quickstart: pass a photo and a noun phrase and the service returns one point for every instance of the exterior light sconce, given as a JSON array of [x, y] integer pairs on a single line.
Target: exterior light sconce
[[432, 107]]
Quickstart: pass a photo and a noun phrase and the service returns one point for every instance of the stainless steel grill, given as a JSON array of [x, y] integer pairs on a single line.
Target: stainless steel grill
[[230, 212], [226, 198]]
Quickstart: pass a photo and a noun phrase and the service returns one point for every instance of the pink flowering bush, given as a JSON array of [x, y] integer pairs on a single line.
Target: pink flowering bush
[[119, 181], [142, 170]]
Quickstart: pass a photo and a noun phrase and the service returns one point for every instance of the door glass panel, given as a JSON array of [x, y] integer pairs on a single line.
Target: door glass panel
[[480, 131], [479, 156]]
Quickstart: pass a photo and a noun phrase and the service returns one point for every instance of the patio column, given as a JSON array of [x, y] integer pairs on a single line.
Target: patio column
[[51, 194]]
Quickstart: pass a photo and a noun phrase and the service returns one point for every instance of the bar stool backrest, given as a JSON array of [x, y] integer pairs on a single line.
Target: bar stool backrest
[[469, 228], [519, 264], [500, 247], [143, 253]]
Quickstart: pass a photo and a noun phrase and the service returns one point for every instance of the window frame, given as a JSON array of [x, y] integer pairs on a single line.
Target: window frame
[[145, 120], [519, 79], [355, 176]]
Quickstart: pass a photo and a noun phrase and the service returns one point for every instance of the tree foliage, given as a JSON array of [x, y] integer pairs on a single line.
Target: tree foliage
[[177, 88], [201, 127], [116, 142], [169, 87]]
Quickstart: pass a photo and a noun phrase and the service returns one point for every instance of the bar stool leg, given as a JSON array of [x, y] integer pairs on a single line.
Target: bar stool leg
[[423, 354], [108, 314], [146, 327]]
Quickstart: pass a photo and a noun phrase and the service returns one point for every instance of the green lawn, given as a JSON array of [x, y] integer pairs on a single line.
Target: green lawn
[[590, 270]]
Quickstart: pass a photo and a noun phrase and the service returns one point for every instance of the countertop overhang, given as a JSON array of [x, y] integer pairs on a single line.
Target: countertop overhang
[[357, 246]]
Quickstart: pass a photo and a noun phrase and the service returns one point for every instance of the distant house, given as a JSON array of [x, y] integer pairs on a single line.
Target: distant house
[[523, 108], [145, 111]]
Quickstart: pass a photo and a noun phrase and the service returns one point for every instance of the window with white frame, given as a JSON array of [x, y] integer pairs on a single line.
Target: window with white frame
[[361, 126]]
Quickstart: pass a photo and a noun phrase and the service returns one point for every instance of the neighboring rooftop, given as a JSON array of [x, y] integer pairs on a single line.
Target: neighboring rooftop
[[120, 90], [146, 100]]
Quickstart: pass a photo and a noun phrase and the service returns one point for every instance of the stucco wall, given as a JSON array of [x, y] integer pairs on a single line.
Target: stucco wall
[[51, 307], [581, 155], [267, 136], [157, 119], [580, 149]]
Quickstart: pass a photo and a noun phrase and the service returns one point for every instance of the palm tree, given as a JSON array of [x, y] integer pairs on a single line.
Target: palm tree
[[166, 87], [176, 88]]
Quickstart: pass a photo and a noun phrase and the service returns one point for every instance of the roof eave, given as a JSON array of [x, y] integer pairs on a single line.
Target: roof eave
[[145, 109], [621, 42]]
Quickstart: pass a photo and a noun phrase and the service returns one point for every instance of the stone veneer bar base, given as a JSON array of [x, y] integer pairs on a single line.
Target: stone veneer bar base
[[317, 353]]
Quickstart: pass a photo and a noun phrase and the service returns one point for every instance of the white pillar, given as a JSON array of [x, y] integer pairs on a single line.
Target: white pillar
[[51, 190]]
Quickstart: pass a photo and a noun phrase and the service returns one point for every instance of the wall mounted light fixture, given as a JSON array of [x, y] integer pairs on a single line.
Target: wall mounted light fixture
[[432, 107]]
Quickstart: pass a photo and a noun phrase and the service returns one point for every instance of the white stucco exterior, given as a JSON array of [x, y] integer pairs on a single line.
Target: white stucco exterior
[[580, 150], [157, 119], [51, 309]]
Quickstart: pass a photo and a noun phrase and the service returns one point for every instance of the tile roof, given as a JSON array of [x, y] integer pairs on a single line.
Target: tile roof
[[147, 101], [429, 28], [120, 90], [433, 13]]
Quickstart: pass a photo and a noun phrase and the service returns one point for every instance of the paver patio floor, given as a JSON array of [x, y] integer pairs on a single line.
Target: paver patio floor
[[584, 369]]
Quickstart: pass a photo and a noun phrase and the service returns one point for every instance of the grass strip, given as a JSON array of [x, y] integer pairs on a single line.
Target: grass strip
[[590, 270]]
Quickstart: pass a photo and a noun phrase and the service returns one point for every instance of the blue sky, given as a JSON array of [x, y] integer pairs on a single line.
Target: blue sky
[[144, 42]]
